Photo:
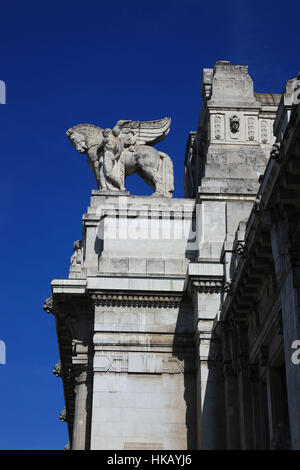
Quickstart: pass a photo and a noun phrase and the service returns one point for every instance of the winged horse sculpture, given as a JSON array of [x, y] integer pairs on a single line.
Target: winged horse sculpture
[[124, 150]]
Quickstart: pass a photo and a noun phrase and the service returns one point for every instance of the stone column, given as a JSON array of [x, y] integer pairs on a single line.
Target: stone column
[[263, 406], [202, 341], [210, 392], [285, 238], [279, 429], [257, 410], [244, 388], [83, 409], [226, 331], [245, 409], [232, 409]]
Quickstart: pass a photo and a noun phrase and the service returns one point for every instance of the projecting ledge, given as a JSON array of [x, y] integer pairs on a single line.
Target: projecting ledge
[[135, 284], [210, 273], [205, 269], [82, 286], [68, 286]]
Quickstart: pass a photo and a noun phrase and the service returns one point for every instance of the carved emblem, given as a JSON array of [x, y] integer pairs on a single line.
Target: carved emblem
[[234, 124], [208, 285], [132, 363]]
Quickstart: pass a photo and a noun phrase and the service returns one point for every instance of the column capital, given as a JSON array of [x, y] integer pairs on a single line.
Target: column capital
[[82, 374]]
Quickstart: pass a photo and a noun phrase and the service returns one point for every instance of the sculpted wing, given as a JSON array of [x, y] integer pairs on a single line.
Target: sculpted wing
[[146, 132]]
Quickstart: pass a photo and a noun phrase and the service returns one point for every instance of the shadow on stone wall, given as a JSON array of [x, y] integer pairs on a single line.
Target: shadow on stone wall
[[202, 385], [183, 350], [212, 395]]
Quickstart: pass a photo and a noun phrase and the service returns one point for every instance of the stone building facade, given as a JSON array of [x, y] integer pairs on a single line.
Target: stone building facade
[[179, 320]]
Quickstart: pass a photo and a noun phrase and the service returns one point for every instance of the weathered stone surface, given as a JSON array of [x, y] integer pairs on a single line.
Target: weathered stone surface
[[116, 153]]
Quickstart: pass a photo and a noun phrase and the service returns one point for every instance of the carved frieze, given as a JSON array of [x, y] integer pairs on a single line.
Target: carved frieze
[[142, 363], [251, 128], [126, 300], [208, 285], [218, 127], [264, 132]]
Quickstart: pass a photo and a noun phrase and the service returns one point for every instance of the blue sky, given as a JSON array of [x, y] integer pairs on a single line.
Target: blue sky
[[66, 63]]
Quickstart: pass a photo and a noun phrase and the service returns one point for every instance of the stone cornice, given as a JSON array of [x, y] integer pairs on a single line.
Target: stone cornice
[[215, 195], [204, 277], [209, 285], [180, 214], [68, 286], [136, 285], [136, 300]]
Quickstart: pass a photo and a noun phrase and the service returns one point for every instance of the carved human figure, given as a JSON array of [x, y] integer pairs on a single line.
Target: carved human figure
[[112, 149], [76, 256]]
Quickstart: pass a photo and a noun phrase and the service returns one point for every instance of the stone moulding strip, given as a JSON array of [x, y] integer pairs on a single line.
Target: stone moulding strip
[[127, 300], [208, 285], [217, 196], [205, 277], [68, 286], [149, 363], [141, 214], [135, 286]]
